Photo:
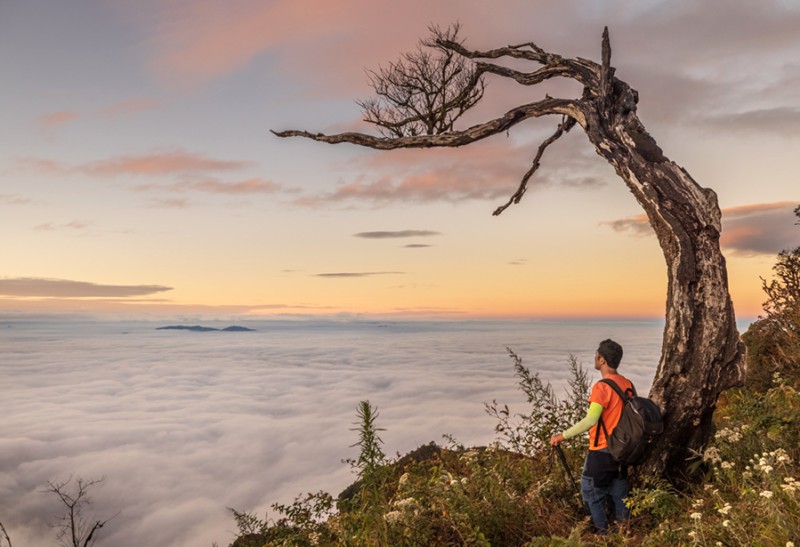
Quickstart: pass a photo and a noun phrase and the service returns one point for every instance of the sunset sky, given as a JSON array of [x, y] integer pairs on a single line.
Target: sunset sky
[[138, 174]]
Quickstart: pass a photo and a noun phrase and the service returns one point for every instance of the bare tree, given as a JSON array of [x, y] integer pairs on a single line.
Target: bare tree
[[74, 530], [423, 93], [702, 354]]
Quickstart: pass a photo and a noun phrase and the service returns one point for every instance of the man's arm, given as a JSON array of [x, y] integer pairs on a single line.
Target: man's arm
[[591, 418]]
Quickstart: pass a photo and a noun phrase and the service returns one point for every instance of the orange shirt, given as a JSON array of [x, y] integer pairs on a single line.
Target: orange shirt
[[612, 404]]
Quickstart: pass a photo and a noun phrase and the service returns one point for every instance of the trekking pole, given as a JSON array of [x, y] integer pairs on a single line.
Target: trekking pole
[[563, 459]]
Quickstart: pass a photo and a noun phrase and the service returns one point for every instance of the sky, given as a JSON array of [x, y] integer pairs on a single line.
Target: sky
[[138, 174]]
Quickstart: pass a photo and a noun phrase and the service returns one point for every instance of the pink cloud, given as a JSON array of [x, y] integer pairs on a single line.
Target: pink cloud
[[160, 163], [489, 170], [73, 225], [130, 106], [249, 186], [174, 203], [57, 119], [50, 123], [327, 42], [13, 199]]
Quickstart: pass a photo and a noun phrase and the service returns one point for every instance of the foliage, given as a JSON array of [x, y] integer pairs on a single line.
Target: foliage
[[774, 341], [530, 433]]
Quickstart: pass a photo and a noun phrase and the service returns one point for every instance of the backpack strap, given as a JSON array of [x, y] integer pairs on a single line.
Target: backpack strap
[[624, 395]]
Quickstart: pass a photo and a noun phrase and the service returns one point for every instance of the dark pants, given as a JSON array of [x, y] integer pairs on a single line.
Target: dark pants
[[603, 481]]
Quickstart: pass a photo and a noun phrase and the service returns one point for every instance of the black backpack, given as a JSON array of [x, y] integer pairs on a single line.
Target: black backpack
[[639, 424]]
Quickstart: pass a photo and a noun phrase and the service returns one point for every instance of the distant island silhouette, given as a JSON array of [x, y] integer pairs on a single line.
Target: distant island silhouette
[[198, 328]]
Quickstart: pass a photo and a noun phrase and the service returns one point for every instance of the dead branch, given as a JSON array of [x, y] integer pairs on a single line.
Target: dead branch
[[5, 534], [564, 127]]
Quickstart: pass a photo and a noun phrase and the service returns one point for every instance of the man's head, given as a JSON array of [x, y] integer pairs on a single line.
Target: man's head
[[610, 352]]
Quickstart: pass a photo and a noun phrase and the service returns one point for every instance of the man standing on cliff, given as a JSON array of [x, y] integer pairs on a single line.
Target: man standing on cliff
[[602, 477]]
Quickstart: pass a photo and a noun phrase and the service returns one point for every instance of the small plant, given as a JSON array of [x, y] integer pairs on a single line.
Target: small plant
[[366, 525], [74, 530], [548, 414]]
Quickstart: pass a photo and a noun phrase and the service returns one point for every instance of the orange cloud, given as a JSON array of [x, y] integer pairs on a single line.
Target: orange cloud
[[748, 230], [637, 225], [762, 228]]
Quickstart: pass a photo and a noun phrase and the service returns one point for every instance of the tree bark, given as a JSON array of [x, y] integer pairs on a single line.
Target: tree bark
[[702, 354]]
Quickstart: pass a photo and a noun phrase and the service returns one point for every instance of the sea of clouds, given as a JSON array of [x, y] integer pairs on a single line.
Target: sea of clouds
[[182, 425]]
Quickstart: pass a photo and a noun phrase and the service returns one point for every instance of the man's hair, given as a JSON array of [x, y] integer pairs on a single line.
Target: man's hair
[[611, 352]]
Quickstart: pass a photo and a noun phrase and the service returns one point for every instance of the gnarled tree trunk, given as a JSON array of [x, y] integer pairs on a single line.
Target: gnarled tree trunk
[[702, 354]]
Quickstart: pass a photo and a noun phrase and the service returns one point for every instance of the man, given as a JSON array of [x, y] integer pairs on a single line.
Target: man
[[602, 477]]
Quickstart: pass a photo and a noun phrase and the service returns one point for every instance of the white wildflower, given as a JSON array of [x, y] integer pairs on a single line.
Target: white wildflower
[[766, 494], [696, 516], [712, 455], [725, 510], [726, 523], [405, 503], [693, 534], [393, 517], [726, 465]]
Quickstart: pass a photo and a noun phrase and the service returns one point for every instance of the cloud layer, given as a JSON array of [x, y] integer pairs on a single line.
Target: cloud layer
[[183, 425]]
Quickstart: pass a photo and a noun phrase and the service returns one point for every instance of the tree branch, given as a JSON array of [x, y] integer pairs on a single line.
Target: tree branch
[[566, 124], [571, 108], [5, 534], [606, 72], [582, 70]]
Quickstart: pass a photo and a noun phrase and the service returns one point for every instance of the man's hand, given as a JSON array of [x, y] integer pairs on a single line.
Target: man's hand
[[556, 439]]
